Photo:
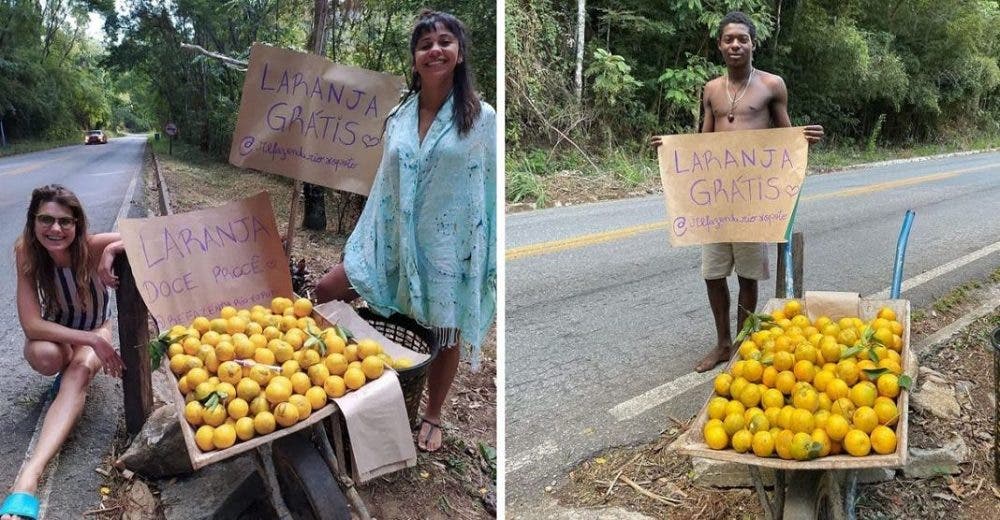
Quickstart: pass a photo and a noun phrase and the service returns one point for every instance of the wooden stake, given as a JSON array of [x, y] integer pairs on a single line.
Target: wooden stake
[[321, 10]]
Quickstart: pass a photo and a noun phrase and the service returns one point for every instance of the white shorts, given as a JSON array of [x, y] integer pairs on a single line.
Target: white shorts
[[748, 258]]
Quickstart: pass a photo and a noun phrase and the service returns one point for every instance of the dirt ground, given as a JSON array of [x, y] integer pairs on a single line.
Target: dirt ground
[[653, 480], [458, 481]]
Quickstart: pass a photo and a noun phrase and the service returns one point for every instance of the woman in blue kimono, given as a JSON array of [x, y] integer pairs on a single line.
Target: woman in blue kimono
[[425, 244]]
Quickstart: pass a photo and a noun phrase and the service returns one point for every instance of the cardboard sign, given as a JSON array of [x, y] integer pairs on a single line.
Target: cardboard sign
[[304, 117], [192, 264], [732, 186]]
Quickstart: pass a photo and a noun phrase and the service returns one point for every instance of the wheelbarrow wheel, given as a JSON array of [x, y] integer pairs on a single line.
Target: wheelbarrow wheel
[[309, 489], [820, 495]]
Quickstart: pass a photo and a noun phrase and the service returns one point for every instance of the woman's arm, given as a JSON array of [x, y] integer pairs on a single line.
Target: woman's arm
[[29, 311], [109, 244]]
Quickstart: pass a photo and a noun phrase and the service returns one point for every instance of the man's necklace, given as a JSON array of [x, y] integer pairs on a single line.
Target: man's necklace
[[732, 101]]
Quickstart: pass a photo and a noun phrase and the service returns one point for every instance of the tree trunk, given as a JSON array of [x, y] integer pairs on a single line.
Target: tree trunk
[[314, 216], [581, 11]]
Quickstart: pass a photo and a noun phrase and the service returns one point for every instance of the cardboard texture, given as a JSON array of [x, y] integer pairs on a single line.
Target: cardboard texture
[[692, 442], [737, 186], [305, 117], [192, 264], [833, 305]]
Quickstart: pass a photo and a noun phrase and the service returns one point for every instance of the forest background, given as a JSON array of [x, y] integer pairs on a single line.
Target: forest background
[[56, 82], [885, 78]]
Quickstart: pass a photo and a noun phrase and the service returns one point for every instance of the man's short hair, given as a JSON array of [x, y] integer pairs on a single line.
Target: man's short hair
[[740, 18]]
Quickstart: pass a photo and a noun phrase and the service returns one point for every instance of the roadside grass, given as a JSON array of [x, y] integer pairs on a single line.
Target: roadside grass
[[540, 176], [961, 294], [36, 145]]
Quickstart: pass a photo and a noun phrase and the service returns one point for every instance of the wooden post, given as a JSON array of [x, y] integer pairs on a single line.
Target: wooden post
[[133, 335], [321, 10]]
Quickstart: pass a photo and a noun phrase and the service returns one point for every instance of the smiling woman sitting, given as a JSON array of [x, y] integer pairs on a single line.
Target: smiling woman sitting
[[63, 276]]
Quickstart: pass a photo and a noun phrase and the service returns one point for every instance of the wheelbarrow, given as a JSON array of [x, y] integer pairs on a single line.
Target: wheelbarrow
[[824, 488], [306, 467]]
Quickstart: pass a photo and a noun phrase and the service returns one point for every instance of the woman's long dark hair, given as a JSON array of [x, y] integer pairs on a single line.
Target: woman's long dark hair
[[465, 109], [38, 264]]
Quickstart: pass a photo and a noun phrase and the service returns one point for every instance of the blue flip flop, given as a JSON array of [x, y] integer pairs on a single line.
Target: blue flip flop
[[54, 390], [22, 504]]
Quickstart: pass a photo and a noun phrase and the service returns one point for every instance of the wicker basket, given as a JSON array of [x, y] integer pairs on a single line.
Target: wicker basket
[[413, 336]]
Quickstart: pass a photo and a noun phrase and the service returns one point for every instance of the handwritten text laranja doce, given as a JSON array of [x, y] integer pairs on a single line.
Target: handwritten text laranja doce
[[171, 286], [163, 245]]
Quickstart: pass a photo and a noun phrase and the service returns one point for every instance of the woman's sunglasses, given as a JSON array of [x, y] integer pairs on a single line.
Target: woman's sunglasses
[[49, 220]]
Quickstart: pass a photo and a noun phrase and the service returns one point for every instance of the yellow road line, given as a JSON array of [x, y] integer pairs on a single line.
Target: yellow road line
[[543, 248], [29, 168]]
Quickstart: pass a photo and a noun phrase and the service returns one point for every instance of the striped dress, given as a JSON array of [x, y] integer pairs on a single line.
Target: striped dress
[[68, 309]]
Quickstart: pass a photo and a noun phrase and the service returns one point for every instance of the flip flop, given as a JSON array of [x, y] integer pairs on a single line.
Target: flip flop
[[21, 504], [54, 389], [422, 443]]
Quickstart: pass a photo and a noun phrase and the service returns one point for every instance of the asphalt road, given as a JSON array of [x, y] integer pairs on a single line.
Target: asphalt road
[[605, 321], [100, 175]]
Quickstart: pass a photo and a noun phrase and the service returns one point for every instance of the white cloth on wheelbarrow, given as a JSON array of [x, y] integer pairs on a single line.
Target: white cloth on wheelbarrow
[[376, 420]]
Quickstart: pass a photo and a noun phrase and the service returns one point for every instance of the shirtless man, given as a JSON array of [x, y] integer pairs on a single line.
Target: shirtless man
[[744, 99]]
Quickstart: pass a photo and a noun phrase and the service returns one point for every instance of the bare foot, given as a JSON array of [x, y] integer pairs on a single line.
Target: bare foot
[[719, 354]]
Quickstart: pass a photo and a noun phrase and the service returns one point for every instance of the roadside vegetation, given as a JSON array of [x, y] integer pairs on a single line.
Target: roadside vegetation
[[886, 80], [53, 82]]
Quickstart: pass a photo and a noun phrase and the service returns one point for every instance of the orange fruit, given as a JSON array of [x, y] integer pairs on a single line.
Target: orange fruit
[[286, 414], [301, 404], [354, 378], [373, 366], [804, 371], [716, 437], [264, 422], [863, 394], [888, 385], [837, 427], [887, 313], [883, 440], [856, 443], [334, 386], [302, 307], [865, 419], [278, 390], [244, 428], [238, 408], [203, 438], [886, 410], [316, 396], [742, 441]]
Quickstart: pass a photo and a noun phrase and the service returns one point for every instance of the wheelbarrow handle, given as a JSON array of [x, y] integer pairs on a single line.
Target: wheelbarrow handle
[[897, 269]]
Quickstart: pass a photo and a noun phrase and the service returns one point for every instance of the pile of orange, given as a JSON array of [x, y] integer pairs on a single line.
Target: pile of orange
[[248, 372], [803, 389]]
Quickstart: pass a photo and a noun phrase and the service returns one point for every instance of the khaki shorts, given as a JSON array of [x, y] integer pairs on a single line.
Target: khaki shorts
[[749, 259]]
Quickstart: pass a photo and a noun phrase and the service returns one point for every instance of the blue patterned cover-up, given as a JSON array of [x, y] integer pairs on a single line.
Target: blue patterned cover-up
[[425, 244]]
